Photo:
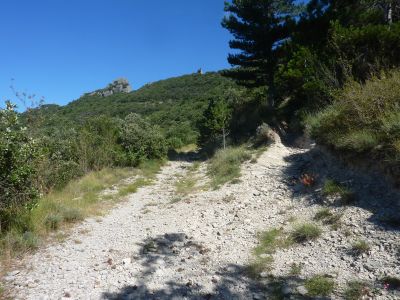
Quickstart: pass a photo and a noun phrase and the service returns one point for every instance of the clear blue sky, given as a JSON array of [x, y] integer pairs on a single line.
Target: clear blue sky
[[60, 49]]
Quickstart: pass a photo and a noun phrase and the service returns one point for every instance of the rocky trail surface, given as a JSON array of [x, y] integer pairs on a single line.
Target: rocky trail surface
[[162, 245]]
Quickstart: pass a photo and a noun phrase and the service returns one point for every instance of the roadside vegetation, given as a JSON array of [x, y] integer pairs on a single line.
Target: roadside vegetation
[[363, 120], [225, 165], [319, 286], [48, 181], [90, 195]]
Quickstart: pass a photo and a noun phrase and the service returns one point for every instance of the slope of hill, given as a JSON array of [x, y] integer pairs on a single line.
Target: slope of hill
[[175, 104]]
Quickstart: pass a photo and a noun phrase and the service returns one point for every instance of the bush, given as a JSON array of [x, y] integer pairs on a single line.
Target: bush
[[141, 140], [53, 222], [356, 290], [71, 215], [332, 188], [323, 214], [97, 144], [306, 232], [360, 246], [18, 243], [18, 154], [319, 286], [225, 165], [363, 119]]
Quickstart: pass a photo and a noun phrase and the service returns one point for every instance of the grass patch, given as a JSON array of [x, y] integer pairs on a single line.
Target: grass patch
[[187, 148], [133, 187], [333, 188], [272, 240], [175, 200], [328, 218], [295, 269], [306, 232], [186, 185], [195, 166], [319, 286], [269, 242], [14, 242], [259, 265], [53, 222], [356, 290], [360, 247], [364, 119], [225, 165], [78, 199], [322, 214]]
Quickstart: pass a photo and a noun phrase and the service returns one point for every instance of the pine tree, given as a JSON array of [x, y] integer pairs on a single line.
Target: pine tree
[[215, 123], [259, 27]]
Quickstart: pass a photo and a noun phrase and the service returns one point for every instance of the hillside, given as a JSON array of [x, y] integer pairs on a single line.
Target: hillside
[[174, 102]]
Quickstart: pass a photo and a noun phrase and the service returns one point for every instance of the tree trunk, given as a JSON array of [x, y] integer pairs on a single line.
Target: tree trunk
[[224, 137], [390, 13]]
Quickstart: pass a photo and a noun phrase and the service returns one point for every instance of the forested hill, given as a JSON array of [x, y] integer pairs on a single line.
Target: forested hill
[[175, 99]]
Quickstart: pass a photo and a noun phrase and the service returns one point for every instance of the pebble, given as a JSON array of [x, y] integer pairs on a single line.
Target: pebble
[[222, 236]]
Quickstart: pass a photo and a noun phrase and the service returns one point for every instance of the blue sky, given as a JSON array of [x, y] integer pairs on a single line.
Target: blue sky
[[60, 49]]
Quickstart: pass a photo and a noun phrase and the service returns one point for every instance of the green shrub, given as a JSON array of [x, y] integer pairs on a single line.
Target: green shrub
[[18, 154], [322, 214], [360, 246], [364, 118], [305, 232], [332, 188], [319, 286], [270, 241], [71, 215], [17, 243], [97, 144], [141, 140], [225, 165], [53, 222], [356, 290], [295, 269]]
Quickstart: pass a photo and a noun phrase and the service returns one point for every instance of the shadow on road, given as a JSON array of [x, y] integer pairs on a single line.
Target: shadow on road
[[171, 249]]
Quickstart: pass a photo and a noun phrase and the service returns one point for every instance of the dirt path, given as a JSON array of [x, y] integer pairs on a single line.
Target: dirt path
[[156, 247]]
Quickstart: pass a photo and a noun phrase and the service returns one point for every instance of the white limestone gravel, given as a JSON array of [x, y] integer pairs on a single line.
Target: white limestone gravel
[[155, 247]]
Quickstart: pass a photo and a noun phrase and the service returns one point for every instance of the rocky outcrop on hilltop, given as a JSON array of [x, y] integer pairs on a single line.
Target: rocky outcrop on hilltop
[[120, 85]]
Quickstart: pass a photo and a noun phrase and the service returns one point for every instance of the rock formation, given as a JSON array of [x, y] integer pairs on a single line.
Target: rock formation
[[120, 85]]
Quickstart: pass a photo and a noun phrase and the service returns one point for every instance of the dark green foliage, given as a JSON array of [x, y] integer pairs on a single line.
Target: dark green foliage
[[319, 286], [215, 121], [175, 104], [301, 59], [141, 140], [363, 120], [97, 144], [258, 27], [18, 154]]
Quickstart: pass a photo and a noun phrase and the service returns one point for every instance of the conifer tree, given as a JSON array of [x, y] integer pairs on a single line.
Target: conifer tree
[[259, 27]]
